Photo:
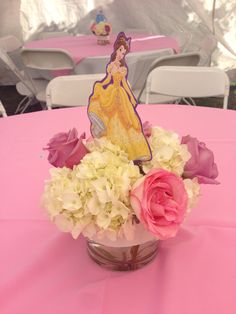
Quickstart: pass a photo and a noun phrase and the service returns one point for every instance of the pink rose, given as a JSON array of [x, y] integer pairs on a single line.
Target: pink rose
[[159, 200], [66, 149], [147, 129], [201, 164]]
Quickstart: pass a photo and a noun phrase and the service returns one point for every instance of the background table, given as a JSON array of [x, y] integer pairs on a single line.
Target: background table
[[45, 271], [86, 46], [91, 58]]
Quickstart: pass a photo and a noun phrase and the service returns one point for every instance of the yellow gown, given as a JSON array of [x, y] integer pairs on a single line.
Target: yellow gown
[[112, 108]]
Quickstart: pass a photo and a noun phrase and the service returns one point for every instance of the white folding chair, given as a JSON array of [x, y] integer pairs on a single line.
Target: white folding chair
[[2, 110], [147, 65], [11, 46], [47, 59], [183, 81], [10, 43], [71, 91], [57, 61], [139, 64], [29, 88], [25, 87], [92, 65], [46, 35]]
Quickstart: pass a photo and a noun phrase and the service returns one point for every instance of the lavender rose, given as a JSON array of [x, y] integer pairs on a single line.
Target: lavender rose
[[66, 149], [201, 164]]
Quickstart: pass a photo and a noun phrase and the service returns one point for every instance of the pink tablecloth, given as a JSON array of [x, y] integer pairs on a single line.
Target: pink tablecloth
[[85, 46], [45, 271]]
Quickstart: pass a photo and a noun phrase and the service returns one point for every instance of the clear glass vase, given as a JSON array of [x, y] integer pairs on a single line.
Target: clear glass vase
[[122, 258], [103, 40]]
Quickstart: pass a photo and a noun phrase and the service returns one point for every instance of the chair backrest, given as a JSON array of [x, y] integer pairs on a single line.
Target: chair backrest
[[186, 81], [10, 43], [93, 65], [47, 59], [181, 59], [45, 35], [139, 64], [98, 64], [8, 62], [71, 90]]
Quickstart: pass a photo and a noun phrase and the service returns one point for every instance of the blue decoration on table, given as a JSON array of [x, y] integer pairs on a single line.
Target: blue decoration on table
[[100, 17]]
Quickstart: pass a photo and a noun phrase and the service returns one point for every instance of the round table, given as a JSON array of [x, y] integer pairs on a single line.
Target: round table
[[46, 271]]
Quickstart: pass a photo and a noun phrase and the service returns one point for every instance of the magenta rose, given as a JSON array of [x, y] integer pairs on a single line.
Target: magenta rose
[[201, 164], [147, 129], [66, 149], [107, 28], [159, 200]]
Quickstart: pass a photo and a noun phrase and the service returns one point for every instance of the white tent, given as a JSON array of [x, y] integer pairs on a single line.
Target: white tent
[[199, 25]]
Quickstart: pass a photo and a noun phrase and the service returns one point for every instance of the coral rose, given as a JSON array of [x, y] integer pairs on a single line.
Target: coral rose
[[159, 200]]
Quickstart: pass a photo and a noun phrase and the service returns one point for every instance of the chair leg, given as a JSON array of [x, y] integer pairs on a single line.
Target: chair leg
[[188, 102], [21, 105], [2, 110], [30, 102], [225, 104], [43, 105]]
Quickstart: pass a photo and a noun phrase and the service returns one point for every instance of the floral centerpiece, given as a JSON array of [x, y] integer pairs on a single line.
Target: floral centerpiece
[[101, 28], [122, 207], [130, 184]]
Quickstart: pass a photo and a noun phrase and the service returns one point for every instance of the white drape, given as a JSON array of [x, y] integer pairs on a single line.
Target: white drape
[[219, 16], [190, 21]]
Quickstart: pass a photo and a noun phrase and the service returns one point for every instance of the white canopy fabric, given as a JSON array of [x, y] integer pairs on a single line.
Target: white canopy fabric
[[208, 26]]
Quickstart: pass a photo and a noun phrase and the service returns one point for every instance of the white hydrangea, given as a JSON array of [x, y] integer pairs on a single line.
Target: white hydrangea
[[167, 151], [93, 198], [104, 145], [192, 188]]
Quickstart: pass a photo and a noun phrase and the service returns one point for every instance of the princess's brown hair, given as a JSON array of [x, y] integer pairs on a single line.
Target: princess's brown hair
[[121, 40]]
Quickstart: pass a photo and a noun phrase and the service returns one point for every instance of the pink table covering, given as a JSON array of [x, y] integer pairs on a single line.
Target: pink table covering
[[45, 271], [85, 46]]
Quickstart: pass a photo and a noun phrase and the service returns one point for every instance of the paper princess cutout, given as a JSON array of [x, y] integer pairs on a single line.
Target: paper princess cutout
[[111, 108]]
